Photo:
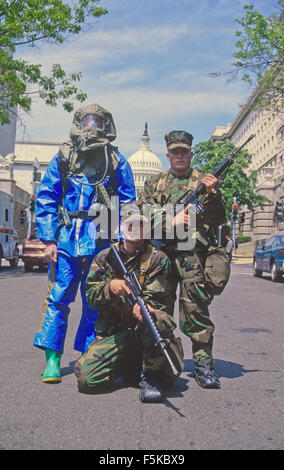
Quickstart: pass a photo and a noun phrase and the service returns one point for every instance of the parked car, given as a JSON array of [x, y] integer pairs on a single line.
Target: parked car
[[33, 252], [270, 258]]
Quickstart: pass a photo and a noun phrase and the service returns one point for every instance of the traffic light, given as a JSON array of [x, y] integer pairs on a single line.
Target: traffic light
[[280, 209], [23, 215], [241, 217], [32, 203], [234, 211]]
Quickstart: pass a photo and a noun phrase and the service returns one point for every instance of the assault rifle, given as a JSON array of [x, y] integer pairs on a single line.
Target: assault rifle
[[118, 267], [220, 171]]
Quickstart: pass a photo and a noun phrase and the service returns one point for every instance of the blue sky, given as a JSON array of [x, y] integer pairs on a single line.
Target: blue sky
[[149, 60]]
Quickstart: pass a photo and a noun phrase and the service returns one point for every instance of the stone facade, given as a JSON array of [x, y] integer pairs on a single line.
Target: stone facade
[[21, 197], [25, 153]]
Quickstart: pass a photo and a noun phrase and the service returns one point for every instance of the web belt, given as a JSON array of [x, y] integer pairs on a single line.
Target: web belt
[[82, 215]]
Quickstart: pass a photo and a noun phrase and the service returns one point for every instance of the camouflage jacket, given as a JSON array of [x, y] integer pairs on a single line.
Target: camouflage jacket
[[165, 188], [114, 311]]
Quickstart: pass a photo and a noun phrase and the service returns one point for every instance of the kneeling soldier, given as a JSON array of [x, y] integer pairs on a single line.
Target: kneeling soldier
[[123, 344]]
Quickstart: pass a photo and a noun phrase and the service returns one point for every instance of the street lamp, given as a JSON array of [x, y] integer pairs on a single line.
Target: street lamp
[[36, 177], [36, 166]]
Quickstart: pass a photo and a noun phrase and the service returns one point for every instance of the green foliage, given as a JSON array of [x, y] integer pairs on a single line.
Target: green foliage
[[259, 58], [26, 22], [243, 239], [238, 183], [260, 43]]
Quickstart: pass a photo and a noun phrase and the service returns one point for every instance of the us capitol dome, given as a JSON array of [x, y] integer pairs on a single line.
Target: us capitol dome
[[144, 163]]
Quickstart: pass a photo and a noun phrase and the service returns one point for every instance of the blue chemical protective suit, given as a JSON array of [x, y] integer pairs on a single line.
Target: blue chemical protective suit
[[76, 250]]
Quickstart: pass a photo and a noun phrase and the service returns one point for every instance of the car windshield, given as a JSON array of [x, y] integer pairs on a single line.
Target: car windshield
[[281, 240]]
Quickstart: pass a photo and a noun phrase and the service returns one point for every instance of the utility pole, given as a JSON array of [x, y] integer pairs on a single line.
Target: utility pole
[[234, 220]]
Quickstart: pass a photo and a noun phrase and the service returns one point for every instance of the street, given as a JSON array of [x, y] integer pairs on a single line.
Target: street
[[246, 413]]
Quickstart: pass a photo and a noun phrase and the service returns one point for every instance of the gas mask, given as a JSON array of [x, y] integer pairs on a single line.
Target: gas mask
[[92, 128]]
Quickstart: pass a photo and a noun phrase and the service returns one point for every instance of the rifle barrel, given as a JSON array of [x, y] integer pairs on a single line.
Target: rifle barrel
[[201, 188]]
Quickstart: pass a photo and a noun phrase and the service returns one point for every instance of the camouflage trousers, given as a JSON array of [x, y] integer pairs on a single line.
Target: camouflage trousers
[[194, 317], [125, 353]]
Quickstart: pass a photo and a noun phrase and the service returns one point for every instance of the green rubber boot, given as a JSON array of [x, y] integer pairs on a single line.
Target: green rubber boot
[[52, 370]]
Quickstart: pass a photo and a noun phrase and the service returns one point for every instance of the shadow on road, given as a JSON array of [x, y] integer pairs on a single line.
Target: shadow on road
[[177, 389], [67, 370], [227, 369]]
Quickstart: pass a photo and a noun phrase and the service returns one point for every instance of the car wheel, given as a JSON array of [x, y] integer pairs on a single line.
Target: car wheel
[[274, 273], [14, 261], [28, 268], [256, 272]]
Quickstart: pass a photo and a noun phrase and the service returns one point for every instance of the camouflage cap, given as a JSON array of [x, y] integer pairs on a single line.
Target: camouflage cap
[[176, 139]]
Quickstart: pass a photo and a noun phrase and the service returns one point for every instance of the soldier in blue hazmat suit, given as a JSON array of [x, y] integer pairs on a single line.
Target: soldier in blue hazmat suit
[[81, 182]]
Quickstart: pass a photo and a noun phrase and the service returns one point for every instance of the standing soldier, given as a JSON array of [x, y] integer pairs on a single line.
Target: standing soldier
[[86, 171], [188, 266]]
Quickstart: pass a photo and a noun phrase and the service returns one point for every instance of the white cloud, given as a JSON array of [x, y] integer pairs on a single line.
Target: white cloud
[[117, 78], [102, 47], [132, 107]]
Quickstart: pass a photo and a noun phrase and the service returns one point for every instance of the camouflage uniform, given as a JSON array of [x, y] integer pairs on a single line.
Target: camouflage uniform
[[188, 266], [122, 342]]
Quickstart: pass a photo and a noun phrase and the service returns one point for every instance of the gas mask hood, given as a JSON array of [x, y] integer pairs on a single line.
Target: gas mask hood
[[93, 127]]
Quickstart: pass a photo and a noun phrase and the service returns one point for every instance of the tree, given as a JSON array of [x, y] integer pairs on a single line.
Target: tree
[[260, 56], [207, 156], [26, 22]]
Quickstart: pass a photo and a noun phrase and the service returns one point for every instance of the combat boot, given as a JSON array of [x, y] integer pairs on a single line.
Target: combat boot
[[52, 371], [206, 377], [149, 389]]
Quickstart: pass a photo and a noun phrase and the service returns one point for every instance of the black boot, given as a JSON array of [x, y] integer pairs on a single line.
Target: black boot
[[206, 377], [149, 389]]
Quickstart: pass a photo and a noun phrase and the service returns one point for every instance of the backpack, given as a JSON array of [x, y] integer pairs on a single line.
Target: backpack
[[217, 270]]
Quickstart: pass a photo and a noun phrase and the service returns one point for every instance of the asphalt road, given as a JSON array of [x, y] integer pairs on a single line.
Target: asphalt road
[[246, 413]]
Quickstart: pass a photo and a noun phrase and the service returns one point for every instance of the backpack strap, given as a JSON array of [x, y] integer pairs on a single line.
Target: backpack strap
[[145, 263], [64, 163], [104, 193], [114, 156]]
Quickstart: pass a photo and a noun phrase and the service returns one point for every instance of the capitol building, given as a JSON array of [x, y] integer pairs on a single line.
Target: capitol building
[[144, 163]]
